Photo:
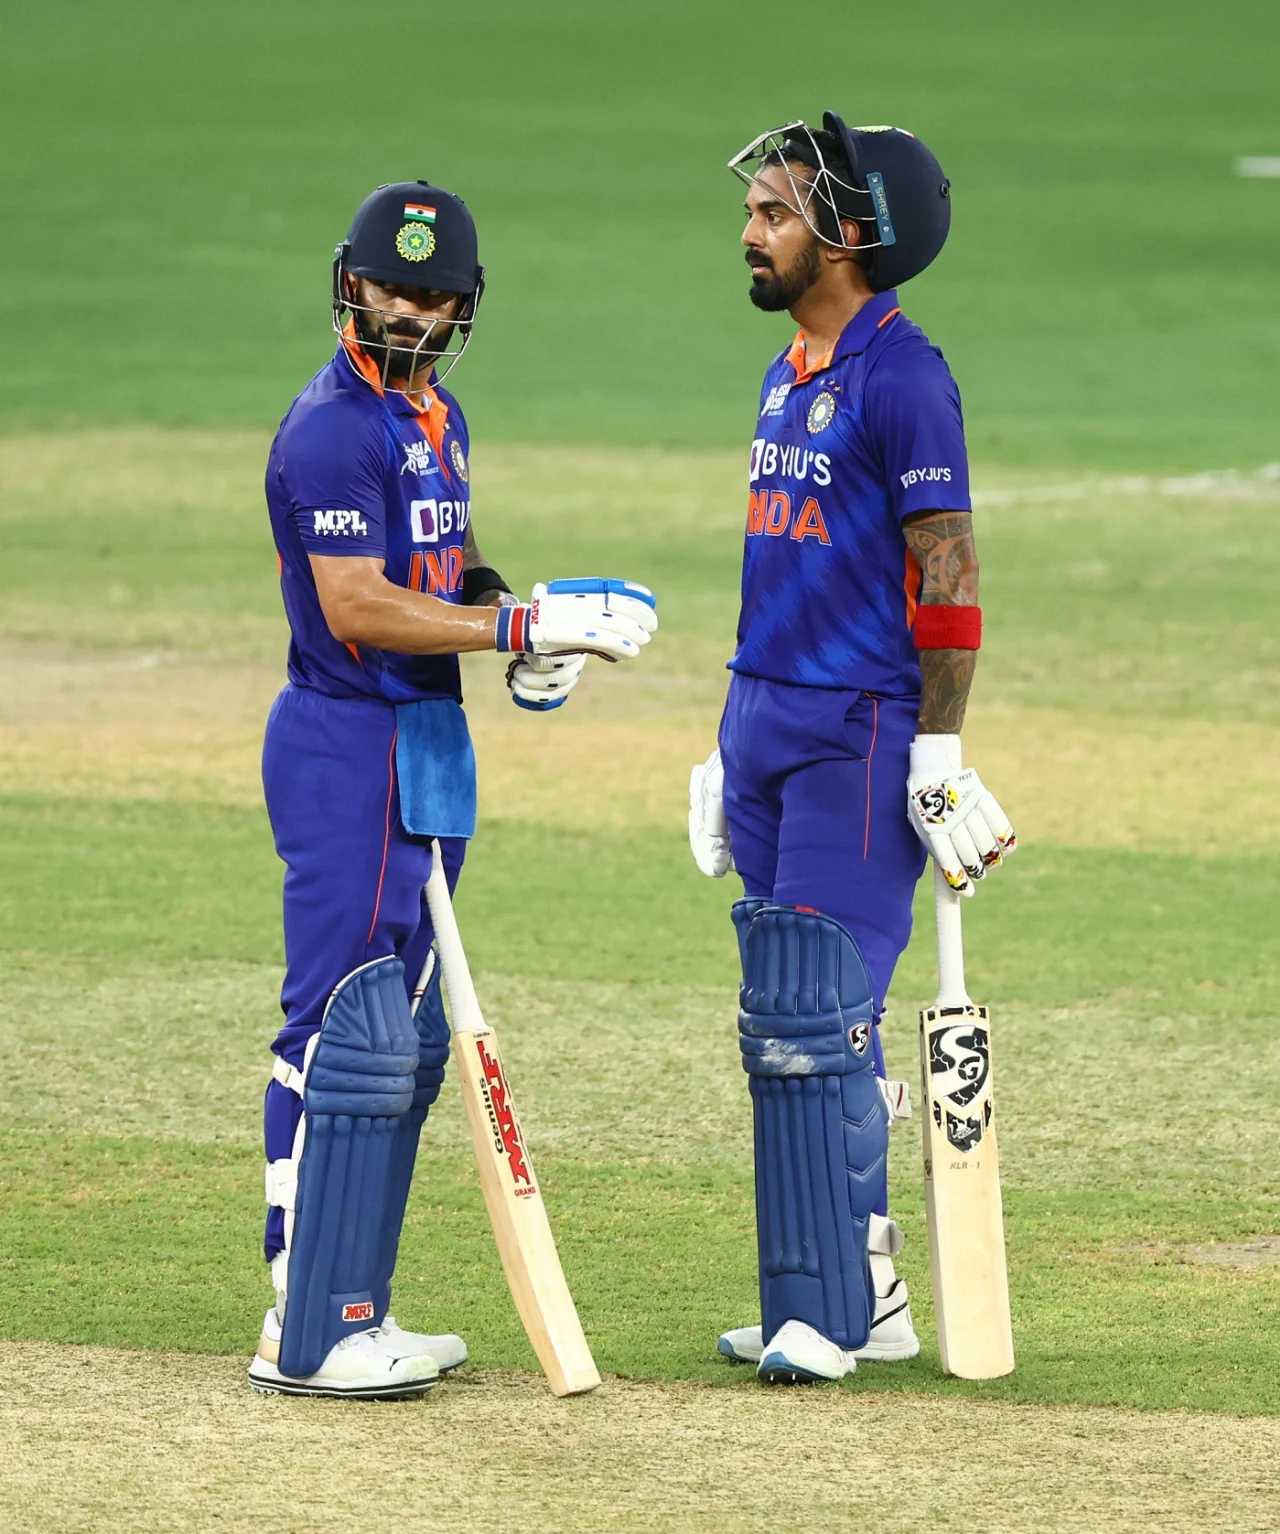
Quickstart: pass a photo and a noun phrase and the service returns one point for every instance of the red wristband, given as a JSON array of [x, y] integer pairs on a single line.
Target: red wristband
[[948, 628]]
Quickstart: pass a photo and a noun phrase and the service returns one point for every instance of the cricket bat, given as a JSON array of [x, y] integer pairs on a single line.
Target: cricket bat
[[962, 1167], [516, 1210]]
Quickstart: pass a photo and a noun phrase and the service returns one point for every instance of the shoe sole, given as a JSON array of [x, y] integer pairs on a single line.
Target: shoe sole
[[776, 1370], [402, 1391]]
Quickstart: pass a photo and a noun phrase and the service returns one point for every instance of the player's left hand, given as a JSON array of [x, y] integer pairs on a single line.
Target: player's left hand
[[708, 828], [964, 829], [543, 682]]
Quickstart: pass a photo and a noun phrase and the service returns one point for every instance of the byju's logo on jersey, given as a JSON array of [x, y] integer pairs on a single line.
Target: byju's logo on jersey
[[433, 520], [344, 524], [933, 476], [418, 458], [769, 459], [777, 399]]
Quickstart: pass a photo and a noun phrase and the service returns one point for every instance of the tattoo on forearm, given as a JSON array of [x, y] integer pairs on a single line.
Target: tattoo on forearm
[[942, 543], [945, 679]]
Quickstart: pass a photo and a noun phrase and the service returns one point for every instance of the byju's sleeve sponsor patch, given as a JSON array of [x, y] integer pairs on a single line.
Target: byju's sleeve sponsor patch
[[913, 413]]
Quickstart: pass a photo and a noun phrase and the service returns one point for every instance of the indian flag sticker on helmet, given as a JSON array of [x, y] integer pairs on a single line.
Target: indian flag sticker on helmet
[[415, 242], [419, 213]]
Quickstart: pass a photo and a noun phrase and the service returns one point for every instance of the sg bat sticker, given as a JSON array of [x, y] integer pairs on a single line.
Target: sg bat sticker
[[959, 1073]]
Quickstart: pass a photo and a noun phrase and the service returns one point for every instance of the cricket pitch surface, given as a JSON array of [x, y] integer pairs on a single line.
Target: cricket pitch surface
[[104, 1438]]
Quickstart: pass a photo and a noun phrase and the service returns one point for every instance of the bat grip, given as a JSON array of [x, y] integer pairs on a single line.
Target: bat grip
[[464, 1006], [951, 987]]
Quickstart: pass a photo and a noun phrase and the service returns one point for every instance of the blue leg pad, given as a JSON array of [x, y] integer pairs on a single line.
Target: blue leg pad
[[433, 1054], [821, 1125], [742, 912], [358, 1088]]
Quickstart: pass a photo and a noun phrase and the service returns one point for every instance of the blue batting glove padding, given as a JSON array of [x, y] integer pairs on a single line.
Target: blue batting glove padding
[[539, 708], [597, 585]]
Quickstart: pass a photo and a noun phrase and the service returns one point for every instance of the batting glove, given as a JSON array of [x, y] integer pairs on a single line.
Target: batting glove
[[592, 616], [960, 823], [708, 828], [543, 682]]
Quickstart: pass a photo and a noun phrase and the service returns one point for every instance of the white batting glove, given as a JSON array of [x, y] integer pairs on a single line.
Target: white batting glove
[[609, 618], [708, 829], [960, 823], [543, 682]]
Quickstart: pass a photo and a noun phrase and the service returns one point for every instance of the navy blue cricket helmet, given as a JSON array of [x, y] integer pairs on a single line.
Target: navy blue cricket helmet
[[412, 234], [882, 177]]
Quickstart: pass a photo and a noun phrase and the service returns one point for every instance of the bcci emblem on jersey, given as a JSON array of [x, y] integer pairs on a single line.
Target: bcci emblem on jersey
[[821, 413], [459, 461]]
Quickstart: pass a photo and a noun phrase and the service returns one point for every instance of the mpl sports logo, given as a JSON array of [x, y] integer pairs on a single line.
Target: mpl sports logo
[[507, 1139], [343, 524], [363, 1311]]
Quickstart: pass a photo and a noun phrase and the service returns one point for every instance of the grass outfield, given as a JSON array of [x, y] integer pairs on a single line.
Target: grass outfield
[[175, 179], [1125, 710]]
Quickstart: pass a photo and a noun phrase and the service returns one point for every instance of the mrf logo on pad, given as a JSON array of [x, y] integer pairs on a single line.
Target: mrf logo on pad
[[507, 1138], [359, 1312]]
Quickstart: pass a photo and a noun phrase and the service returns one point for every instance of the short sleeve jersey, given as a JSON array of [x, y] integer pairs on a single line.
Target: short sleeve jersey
[[845, 450], [356, 471]]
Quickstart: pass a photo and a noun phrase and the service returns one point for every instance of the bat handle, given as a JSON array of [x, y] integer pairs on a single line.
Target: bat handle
[[951, 987], [464, 1006]]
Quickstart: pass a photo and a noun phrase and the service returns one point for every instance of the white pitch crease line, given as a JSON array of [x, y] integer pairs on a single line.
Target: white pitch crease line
[[1262, 166], [1224, 484]]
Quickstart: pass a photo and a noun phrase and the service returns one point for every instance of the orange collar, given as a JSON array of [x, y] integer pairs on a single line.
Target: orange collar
[[797, 356], [855, 337]]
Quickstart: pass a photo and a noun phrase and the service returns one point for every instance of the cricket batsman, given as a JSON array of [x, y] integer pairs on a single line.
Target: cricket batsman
[[839, 771], [366, 759]]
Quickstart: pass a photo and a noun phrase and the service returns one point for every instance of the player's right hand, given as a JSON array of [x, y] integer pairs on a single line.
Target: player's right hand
[[708, 828], [609, 618], [543, 682]]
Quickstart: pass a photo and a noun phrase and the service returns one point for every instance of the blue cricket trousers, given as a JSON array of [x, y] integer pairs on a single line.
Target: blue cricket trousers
[[353, 884], [815, 793]]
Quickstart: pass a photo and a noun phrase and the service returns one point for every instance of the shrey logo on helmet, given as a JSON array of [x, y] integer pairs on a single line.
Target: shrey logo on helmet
[[882, 177]]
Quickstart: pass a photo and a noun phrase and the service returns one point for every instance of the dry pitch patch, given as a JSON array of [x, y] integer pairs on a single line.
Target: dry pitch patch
[[100, 1439]]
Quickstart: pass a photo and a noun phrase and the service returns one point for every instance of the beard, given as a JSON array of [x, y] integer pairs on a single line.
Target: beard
[[380, 343], [780, 290]]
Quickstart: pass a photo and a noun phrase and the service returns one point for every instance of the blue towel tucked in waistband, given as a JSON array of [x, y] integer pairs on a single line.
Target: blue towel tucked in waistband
[[437, 769]]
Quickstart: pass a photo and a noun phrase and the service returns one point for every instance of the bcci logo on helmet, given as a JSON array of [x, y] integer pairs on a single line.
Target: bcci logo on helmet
[[416, 242]]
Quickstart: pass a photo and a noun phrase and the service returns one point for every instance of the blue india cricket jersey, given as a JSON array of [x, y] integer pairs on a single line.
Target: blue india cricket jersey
[[846, 447], [356, 471]]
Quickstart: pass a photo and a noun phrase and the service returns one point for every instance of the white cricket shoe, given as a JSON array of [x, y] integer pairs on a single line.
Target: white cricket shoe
[[367, 1366], [893, 1336], [448, 1350], [798, 1355]]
